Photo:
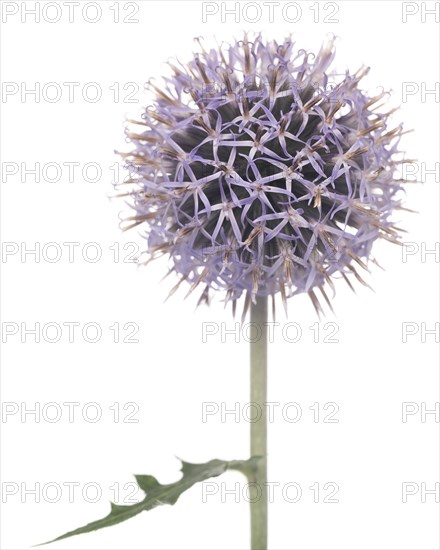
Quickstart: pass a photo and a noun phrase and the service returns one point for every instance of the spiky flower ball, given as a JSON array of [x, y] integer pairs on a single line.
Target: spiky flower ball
[[258, 173]]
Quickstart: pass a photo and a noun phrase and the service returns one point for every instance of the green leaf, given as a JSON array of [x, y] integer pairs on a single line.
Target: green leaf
[[157, 494]]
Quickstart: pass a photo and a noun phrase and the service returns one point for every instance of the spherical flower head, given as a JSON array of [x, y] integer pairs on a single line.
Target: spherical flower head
[[257, 173]]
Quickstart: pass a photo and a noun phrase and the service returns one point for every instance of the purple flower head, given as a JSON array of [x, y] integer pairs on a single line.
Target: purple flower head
[[258, 172]]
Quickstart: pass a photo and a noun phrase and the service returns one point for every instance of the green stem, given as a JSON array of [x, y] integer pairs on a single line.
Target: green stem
[[259, 427]]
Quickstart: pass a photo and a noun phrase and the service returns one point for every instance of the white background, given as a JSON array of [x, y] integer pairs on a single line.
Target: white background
[[369, 373]]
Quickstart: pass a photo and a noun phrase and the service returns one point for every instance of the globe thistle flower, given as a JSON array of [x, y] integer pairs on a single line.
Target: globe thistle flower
[[259, 174], [258, 171]]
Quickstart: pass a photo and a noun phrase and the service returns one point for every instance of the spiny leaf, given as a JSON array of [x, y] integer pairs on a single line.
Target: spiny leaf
[[157, 494]]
